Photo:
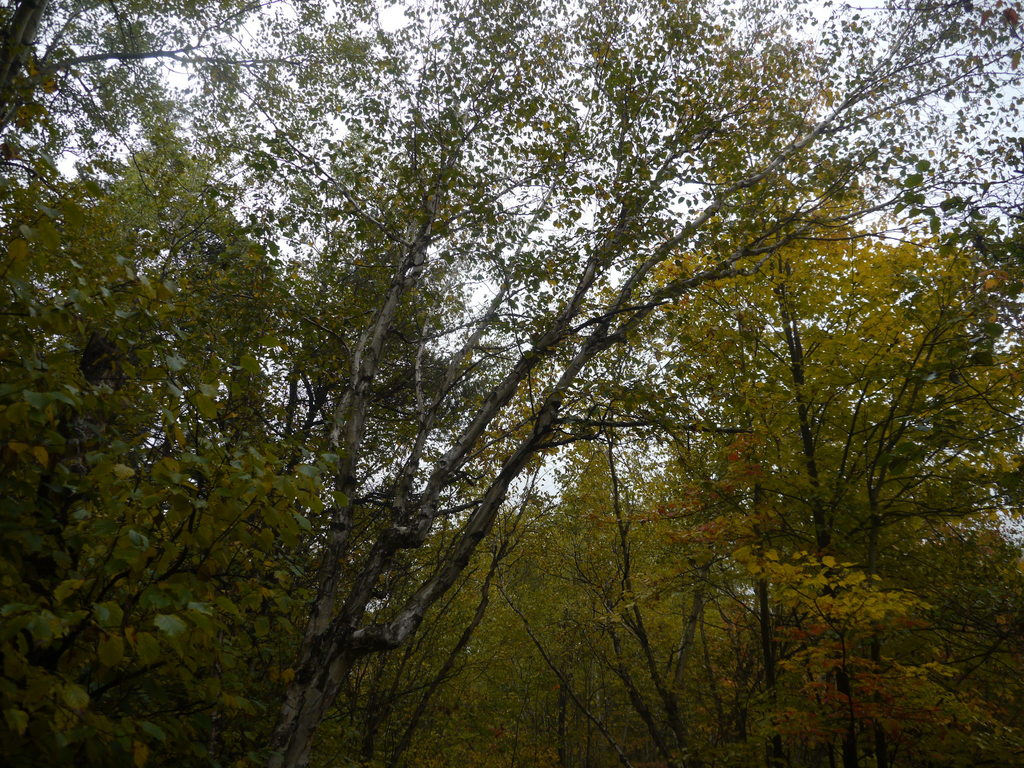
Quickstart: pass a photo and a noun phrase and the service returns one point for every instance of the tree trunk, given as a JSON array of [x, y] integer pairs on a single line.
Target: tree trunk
[[776, 757], [307, 700], [850, 736], [15, 47]]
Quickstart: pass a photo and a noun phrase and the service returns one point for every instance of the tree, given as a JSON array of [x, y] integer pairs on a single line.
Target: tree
[[702, 537], [876, 425], [475, 208], [619, 159]]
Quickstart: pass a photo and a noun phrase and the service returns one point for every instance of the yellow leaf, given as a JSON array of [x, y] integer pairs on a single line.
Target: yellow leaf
[[828, 561], [123, 471], [41, 455], [66, 588], [18, 249], [75, 696], [111, 650], [17, 719], [17, 447], [140, 753]]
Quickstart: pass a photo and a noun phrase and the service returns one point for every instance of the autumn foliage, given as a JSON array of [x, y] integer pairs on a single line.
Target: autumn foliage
[[511, 383]]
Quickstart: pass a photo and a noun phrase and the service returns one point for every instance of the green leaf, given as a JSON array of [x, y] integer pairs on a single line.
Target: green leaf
[[153, 730], [992, 330], [983, 357], [108, 614], [44, 626], [66, 588], [147, 648], [38, 400], [207, 406], [249, 363], [170, 624], [111, 650], [73, 215], [48, 235]]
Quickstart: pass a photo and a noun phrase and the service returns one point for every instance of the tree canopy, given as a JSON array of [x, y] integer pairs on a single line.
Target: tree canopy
[[629, 382]]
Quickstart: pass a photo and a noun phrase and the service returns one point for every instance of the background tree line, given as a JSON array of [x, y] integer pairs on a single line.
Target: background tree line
[[510, 383]]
